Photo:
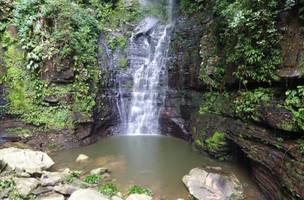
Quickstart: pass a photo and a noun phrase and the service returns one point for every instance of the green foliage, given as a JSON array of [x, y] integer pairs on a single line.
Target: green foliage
[[118, 42], [214, 142], [300, 143], [213, 102], [24, 95], [190, 7], [92, 179], [115, 17], [108, 189], [249, 37], [6, 184], [23, 132], [53, 29], [247, 103], [123, 63], [295, 103], [72, 176], [135, 189]]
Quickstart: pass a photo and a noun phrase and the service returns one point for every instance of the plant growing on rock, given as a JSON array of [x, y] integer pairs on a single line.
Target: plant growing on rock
[[108, 189], [295, 103], [135, 189], [92, 179], [72, 176], [248, 38], [247, 103]]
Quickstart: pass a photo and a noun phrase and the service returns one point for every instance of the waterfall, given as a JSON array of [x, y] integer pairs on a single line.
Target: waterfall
[[147, 55]]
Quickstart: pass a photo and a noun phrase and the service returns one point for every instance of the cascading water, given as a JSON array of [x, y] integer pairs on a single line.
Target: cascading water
[[147, 55]]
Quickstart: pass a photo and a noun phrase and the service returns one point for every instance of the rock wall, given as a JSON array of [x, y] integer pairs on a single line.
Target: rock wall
[[267, 132]]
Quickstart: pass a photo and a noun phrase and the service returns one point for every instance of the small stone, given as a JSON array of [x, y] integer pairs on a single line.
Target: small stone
[[99, 171], [51, 196], [23, 174], [25, 186], [106, 177], [82, 157], [139, 197], [51, 178], [87, 194], [42, 190], [4, 193], [65, 189]]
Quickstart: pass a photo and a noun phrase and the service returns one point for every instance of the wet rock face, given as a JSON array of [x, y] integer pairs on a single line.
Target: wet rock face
[[183, 97], [291, 44], [277, 164], [184, 63], [183, 72]]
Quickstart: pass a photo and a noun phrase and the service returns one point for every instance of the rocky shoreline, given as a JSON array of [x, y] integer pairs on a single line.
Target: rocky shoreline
[[27, 174]]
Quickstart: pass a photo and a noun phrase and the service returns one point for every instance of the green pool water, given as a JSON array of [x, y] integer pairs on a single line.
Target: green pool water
[[157, 162]]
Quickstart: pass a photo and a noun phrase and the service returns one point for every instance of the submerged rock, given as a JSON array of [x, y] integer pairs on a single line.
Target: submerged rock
[[99, 171], [139, 197], [51, 178], [87, 194], [204, 185], [25, 160], [82, 157]]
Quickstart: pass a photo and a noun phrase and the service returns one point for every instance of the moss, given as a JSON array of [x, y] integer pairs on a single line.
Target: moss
[[22, 132], [135, 189], [215, 142], [287, 126], [247, 103], [123, 63], [300, 143], [24, 95], [108, 189]]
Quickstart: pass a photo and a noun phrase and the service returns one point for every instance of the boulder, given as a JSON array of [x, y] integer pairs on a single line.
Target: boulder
[[51, 196], [116, 198], [99, 171], [65, 189], [82, 157], [87, 194], [25, 186], [51, 178], [25, 160], [204, 185], [139, 197]]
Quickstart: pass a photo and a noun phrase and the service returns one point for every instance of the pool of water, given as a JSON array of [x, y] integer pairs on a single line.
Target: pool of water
[[157, 162]]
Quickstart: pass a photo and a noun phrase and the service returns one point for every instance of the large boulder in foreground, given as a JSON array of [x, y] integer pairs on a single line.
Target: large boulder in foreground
[[204, 185], [25, 160], [139, 197], [87, 194]]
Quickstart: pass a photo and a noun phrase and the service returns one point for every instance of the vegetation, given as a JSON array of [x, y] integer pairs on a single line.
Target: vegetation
[[92, 179], [23, 132], [55, 37], [300, 143], [135, 189], [295, 103], [108, 189], [247, 103], [214, 143], [72, 176]]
